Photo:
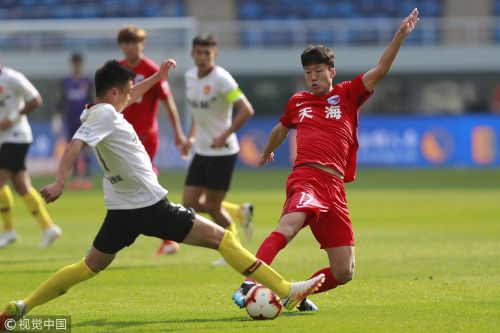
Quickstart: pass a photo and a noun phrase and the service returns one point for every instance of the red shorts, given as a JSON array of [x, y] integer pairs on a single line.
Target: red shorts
[[322, 197]]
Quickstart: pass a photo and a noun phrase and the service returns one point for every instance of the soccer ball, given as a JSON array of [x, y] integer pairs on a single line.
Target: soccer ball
[[262, 303]]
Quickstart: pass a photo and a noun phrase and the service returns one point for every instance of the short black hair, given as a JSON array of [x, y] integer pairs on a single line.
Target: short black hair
[[204, 40], [317, 54], [76, 57], [111, 75]]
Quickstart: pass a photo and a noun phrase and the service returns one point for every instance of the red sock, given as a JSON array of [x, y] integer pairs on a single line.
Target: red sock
[[270, 248], [330, 281]]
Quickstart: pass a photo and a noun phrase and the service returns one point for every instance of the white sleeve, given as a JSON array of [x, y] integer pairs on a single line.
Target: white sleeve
[[26, 89], [96, 127], [226, 82]]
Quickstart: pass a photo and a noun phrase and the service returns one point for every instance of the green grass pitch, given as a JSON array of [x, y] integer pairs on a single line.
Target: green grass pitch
[[427, 260]]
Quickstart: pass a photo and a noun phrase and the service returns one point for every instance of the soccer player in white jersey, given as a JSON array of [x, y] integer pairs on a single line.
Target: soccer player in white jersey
[[212, 93], [18, 97], [136, 203]]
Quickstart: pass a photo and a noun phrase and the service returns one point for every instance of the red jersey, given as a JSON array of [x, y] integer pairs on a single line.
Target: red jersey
[[327, 126], [143, 113]]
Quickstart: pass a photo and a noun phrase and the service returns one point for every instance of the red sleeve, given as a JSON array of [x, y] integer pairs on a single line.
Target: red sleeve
[[359, 93], [286, 118]]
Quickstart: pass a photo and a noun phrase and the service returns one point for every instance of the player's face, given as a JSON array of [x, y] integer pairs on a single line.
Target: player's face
[[124, 95], [132, 50], [319, 78], [204, 57]]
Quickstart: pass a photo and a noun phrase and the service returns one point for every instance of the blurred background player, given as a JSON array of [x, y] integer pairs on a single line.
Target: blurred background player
[[143, 114], [76, 93], [212, 92], [18, 97], [326, 120]]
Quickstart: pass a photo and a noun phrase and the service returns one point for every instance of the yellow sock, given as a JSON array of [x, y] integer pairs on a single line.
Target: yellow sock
[[234, 230], [245, 263], [233, 209], [37, 208], [59, 283], [6, 205]]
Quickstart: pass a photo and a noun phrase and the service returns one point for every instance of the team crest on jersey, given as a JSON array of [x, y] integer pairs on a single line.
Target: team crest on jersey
[[334, 100], [138, 78], [206, 89]]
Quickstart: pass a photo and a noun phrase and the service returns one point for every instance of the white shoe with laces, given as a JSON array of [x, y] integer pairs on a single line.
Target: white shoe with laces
[[7, 238], [50, 235], [301, 290]]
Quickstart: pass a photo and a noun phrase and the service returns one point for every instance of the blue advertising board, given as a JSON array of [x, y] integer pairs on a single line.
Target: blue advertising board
[[412, 141]]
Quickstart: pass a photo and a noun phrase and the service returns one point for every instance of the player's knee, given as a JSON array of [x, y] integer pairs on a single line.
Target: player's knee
[[343, 275]]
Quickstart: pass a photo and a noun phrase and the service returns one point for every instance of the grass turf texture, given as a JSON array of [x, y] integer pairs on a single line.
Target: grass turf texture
[[427, 250]]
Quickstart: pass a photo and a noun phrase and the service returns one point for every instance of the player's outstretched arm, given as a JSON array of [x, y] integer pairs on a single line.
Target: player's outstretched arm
[[140, 88], [276, 138], [53, 191], [374, 75]]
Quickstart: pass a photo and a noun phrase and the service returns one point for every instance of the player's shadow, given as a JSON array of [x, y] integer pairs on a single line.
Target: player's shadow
[[116, 325]]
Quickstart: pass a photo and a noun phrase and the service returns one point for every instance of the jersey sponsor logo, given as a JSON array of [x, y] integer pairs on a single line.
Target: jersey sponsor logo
[[305, 113], [334, 100], [299, 104], [206, 89], [333, 112], [305, 199], [84, 130], [203, 104]]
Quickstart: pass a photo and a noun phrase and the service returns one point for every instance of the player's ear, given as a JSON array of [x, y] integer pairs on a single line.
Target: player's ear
[[332, 72]]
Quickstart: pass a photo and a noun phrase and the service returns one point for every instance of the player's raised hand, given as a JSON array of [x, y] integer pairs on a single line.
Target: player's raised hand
[[409, 23], [165, 66], [266, 158]]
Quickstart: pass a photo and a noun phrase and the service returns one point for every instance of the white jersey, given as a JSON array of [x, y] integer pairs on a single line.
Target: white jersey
[[129, 181], [15, 91], [211, 99]]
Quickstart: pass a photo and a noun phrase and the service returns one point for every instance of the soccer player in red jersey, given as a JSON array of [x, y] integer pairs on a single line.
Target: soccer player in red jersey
[[143, 113], [326, 120]]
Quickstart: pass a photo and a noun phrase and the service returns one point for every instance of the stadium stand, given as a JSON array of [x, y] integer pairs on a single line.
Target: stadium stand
[[272, 11], [64, 9], [496, 12]]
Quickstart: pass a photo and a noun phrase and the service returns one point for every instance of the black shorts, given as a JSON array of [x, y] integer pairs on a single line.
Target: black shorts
[[212, 172], [13, 156], [164, 220]]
